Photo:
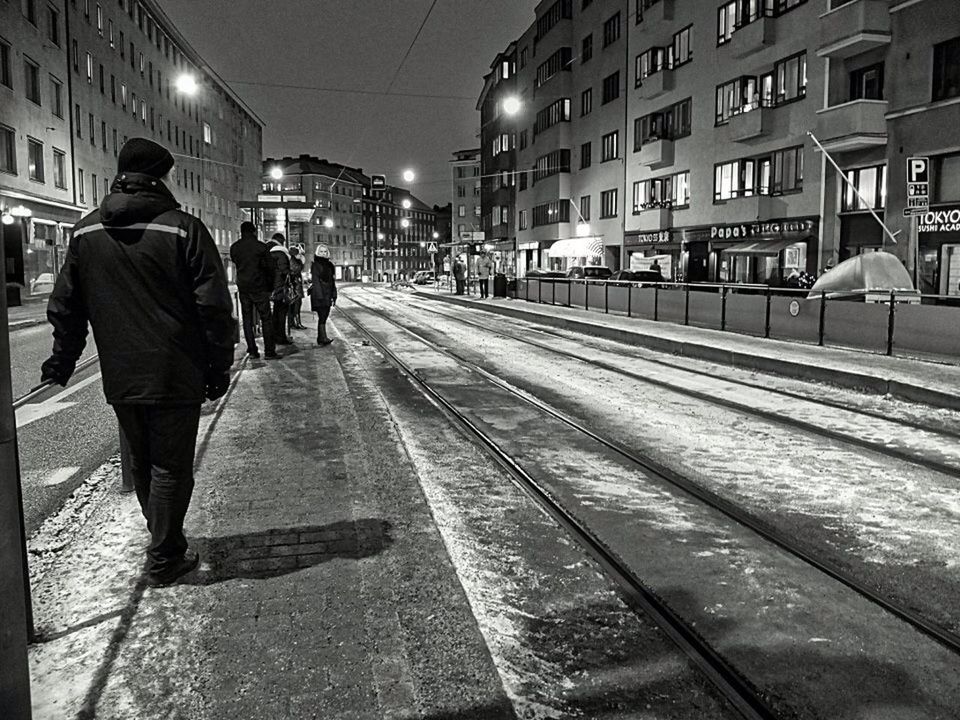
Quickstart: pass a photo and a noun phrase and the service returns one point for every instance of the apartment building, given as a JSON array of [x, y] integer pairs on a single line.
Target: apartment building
[[465, 198], [497, 157], [686, 132], [314, 202], [77, 78], [37, 198], [398, 229]]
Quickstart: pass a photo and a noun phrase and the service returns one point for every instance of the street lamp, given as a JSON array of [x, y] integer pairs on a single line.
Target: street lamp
[[328, 223], [409, 176], [406, 204], [187, 84], [512, 105]]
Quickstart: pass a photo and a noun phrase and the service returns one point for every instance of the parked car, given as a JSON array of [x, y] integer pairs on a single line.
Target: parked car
[[42, 284], [424, 277], [589, 272], [538, 273]]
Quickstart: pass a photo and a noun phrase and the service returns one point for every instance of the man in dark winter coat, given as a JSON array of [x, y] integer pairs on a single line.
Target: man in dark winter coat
[[254, 283], [149, 280], [323, 290], [280, 262]]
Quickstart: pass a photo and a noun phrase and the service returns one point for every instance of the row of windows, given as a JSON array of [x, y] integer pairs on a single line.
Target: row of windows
[[657, 59], [556, 112], [775, 174], [670, 123], [785, 83], [559, 61], [737, 14], [36, 165], [550, 164]]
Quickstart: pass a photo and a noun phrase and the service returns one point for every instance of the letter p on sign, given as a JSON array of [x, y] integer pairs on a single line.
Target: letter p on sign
[[918, 170]]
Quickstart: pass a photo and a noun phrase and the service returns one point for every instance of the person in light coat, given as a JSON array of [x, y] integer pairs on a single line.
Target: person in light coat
[[484, 271]]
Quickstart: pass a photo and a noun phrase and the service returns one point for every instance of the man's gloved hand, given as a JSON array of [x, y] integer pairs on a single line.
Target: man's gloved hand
[[217, 384], [56, 370]]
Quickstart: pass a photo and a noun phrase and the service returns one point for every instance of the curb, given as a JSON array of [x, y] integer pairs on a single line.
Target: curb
[[24, 324], [843, 378]]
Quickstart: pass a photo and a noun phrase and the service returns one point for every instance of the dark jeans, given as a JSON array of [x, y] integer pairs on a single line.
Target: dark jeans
[[484, 287], [262, 304], [280, 311], [158, 443], [460, 285]]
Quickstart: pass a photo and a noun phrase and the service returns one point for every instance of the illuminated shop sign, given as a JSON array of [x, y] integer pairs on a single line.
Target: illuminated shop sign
[[941, 221], [778, 227]]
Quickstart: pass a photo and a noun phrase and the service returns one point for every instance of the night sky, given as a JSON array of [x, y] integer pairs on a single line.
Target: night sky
[[358, 45]]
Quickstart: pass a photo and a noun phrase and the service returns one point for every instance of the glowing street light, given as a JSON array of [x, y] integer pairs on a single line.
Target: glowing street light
[[406, 204], [7, 218], [409, 176], [328, 223], [405, 223], [379, 236], [187, 84], [512, 105], [276, 173], [436, 235]]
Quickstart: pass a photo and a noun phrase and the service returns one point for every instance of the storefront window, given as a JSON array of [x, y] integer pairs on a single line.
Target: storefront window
[[871, 183], [946, 178]]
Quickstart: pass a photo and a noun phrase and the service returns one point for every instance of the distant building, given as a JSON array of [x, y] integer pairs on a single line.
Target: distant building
[[465, 197], [398, 229], [76, 80], [331, 199]]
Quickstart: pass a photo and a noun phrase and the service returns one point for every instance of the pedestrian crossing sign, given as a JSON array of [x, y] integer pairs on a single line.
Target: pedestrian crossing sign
[[432, 248]]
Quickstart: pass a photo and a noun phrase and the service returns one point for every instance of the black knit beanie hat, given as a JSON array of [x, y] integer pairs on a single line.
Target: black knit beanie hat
[[140, 155]]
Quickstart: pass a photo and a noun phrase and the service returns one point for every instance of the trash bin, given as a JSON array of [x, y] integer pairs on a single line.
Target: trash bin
[[512, 288], [500, 285]]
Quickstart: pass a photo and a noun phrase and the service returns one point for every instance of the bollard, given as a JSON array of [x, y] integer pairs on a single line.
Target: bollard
[[823, 316], [890, 322], [723, 307], [766, 323]]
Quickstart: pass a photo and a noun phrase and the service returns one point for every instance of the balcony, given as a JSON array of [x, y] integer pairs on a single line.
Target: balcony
[[854, 125], [656, 85], [656, 219], [854, 28], [752, 37], [749, 125], [656, 154], [662, 10]]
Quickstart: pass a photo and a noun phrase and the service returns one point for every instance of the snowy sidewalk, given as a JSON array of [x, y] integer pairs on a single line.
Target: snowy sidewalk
[[325, 590], [933, 383]]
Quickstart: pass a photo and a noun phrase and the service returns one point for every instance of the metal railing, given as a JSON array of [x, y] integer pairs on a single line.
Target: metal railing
[[889, 320]]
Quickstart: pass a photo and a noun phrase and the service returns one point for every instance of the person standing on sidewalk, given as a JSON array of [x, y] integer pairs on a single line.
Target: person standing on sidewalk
[[254, 283], [323, 290], [484, 271], [458, 275], [281, 273], [149, 280], [296, 281]]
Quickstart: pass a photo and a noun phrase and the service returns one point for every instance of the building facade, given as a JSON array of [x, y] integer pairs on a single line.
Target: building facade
[[687, 132], [465, 197], [80, 77], [330, 198], [398, 231]]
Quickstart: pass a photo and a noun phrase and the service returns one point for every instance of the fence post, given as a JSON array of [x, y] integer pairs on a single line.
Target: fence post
[[606, 297], [526, 288], [656, 302], [823, 315], [890, 322], [553, 293], [539, 292], [766, 323], [586, 294], [723, 307], [569, 285], [686, 305], [629, 299]]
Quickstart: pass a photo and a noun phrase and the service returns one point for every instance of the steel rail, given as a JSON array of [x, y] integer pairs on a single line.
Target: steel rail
[[770, 416], [936, 632], [730, 683], [37, 391]]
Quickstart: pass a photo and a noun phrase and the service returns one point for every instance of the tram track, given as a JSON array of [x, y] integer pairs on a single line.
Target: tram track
[[742, 695], [887, 449], [38, 391], [731, 510]]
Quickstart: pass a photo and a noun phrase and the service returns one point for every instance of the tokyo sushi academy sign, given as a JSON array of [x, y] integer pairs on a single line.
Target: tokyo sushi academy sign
[[940, 221]]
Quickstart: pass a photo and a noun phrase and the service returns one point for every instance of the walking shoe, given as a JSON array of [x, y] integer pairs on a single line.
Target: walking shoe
[[272, 356], [255, 355], [178, 569]]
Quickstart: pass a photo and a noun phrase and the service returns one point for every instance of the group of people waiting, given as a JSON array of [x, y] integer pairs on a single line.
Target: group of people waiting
[[485, 269], [270, 273]]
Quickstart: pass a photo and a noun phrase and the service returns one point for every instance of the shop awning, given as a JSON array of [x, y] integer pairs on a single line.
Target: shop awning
[[581, 247], [763, 246]]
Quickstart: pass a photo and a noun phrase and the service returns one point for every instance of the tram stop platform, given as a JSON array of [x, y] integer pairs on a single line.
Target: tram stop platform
[[930, 380], [325, 589]]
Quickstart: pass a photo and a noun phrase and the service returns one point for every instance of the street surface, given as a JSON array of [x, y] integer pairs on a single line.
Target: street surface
[[456, 565]]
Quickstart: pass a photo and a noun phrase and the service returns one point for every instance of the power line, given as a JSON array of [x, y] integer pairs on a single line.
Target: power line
[[379, 93], [416, 37]]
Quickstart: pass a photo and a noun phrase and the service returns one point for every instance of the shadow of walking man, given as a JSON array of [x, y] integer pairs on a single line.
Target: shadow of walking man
[[281, 551]]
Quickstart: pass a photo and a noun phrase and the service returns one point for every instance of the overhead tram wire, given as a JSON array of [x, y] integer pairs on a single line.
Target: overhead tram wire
[[378, 93]]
